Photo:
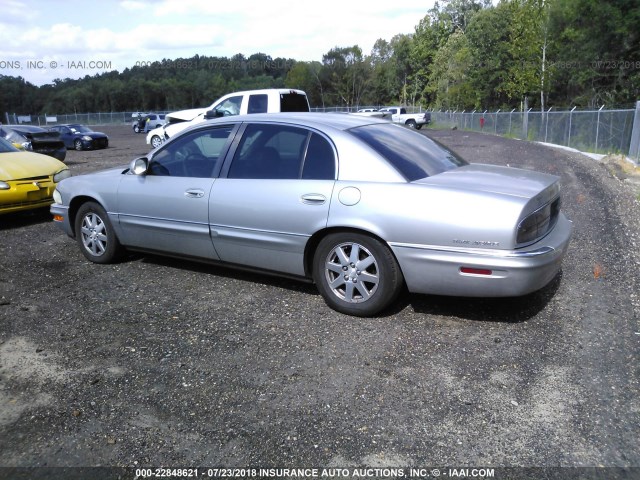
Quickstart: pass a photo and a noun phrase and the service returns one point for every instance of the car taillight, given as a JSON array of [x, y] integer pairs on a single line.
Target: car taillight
[[538, 224]]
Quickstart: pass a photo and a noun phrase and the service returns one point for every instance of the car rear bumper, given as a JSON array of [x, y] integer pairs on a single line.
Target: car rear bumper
[[496, 273]]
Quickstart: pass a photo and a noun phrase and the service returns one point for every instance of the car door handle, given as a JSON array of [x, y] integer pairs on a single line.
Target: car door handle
[[194, 193], [313, 199]]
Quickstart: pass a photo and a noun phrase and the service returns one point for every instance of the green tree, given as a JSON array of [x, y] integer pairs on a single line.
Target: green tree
[[449, 81], [384, 85], [347, 74], [596, 48], [488, 34], [402, 46], [527, 45], [304, 76], [431, 36]]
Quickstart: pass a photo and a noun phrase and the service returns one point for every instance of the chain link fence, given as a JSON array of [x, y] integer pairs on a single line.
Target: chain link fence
[[597, 131], [47, 120]]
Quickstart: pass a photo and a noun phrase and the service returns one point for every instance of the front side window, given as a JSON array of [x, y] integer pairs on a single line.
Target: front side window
[[80, 129], [195, 154], [282, 152], [230, 106]]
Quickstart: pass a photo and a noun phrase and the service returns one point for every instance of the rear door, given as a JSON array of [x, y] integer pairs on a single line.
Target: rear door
[[272, 197], [258, 103]]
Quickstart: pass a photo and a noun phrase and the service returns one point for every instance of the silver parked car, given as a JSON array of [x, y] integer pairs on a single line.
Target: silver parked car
[[358, 205]]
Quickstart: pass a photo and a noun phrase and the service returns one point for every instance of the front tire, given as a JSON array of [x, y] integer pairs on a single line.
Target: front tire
[[156, 141], [95, 234], [356, 274], [77, 144]]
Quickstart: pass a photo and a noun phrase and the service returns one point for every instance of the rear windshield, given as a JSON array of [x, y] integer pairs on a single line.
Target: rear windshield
[[414, 155], [293, 102]]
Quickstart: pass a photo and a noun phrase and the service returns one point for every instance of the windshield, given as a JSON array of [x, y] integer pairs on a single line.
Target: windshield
[[414, 155], [6, 147]]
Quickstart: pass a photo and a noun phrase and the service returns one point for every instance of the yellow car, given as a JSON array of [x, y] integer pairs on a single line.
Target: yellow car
[[27, 179]]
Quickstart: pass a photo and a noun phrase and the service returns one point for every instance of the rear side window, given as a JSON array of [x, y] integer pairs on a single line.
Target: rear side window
[[258, 103], [293, 102], [282, 152], [319, 162], [414, 155]]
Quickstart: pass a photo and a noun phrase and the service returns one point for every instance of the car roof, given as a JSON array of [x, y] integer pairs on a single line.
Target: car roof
[[266, 90], [339, 121], [25, 128]]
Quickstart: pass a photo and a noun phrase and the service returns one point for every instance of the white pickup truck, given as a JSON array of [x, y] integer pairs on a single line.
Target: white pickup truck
[[412, 120], [271, 100]]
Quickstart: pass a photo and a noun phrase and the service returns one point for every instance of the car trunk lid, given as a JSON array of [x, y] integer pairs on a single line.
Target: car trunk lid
[[498, 180]]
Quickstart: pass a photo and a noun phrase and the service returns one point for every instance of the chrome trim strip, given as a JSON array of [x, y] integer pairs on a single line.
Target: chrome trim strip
[[477, 251], [125, 216]]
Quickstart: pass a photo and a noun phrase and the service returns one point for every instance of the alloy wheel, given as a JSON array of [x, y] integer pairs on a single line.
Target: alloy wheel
[[93, 232], [352, 272]]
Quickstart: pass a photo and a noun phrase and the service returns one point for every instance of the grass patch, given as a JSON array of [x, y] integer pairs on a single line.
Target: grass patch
[[621, 166], [625, 170]]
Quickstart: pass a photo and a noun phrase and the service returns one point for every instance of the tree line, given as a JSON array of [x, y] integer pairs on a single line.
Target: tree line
[[463, 54]]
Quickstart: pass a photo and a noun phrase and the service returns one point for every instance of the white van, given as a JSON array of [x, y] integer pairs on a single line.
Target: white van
[[272, 100]]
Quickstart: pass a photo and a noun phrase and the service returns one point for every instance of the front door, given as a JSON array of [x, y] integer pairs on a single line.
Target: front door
[[167, 209]]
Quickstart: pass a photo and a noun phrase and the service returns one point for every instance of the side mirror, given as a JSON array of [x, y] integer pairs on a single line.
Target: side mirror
[[139, 166], [213, 114]]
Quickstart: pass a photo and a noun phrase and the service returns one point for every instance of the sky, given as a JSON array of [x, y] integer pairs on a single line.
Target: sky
[[44, 40]]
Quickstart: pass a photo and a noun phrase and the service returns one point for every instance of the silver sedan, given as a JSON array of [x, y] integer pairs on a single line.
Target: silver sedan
[[357, 205]]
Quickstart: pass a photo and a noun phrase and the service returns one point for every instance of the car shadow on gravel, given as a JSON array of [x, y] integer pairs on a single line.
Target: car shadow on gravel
[[500, 310], [230, 272], [12, 221]]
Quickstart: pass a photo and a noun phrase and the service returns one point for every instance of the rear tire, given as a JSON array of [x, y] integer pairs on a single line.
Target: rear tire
[[356, 274], [95, 234], [411, 124]]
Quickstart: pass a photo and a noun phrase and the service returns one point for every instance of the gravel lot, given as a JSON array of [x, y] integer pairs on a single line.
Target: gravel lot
[[157, 362]]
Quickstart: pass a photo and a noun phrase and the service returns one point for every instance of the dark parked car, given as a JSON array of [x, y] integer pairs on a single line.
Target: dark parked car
[[81, 137], [35, 139]]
